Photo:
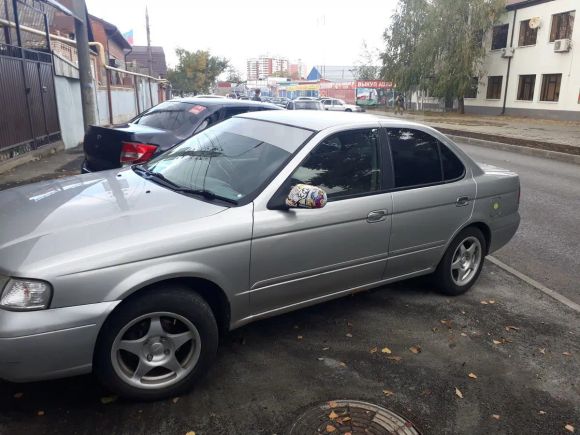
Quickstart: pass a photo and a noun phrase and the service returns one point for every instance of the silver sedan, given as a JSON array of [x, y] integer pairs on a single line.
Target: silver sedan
[[134, 273]]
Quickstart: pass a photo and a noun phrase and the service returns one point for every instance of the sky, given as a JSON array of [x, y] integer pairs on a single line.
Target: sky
[[317, 32]]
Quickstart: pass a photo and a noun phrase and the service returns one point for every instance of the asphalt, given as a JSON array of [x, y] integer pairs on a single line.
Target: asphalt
[[521, 345]]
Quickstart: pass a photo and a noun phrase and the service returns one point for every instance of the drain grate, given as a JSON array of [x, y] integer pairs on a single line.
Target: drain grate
[[341, 417]]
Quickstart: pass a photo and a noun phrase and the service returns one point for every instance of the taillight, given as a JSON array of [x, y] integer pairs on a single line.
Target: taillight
[[134, 152]]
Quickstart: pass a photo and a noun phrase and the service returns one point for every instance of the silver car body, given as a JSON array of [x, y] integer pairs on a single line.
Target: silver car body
[[336, 105], [98, 238]]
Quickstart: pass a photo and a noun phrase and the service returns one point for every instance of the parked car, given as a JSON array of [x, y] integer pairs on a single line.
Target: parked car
[[158, 129], [304, 105], [306, 99], [243, 97], [135, 272], [210, 96], [281, 102], [337, 105]]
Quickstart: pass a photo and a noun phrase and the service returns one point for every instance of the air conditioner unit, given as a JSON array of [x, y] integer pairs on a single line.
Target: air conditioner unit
[[507, 52], [562, 45]]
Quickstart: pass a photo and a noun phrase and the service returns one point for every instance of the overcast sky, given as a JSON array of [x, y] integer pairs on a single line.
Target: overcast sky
[[319, 32]]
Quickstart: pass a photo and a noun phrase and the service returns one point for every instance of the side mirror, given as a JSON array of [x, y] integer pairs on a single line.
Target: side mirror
[[306, 196]]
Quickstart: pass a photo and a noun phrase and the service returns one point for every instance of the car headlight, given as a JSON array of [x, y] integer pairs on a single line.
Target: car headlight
[[25, 295]]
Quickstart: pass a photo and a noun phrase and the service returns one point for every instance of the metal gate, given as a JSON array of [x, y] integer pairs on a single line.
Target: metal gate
[[28, 109]]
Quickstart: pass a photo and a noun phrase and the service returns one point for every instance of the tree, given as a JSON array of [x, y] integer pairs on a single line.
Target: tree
[[437, 45], [196, 72], [233, 75], [367, 66]]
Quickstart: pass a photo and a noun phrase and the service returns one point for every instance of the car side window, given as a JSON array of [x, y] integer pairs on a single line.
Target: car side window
[[228, 112], [327, 102], [452, 166], [415, 157], [344, 164]]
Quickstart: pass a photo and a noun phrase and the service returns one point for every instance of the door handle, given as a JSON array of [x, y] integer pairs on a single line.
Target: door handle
[[462, 201], [376, 216]]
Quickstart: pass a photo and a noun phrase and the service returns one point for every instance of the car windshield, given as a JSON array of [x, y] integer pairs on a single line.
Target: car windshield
[[231, 160], [307, 105], [177, 117]]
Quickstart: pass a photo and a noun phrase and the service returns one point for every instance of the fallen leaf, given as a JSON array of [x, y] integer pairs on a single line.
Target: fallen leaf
[[299, 337], [569, 428], [388, 393], [325, 348], [542, 412], [491, 301], [462, 312], [415, 349], [386, 350], [426, 392], [342, 364], [18, 395], [374, 350], [330, 428], [320, 359], [496, 342], [543, 350], [349, 335], [496, 416], [566, 354], [344, 420], [190, 433], [332, 404], [108, 399], [483, 302], [333, 415], [349, 324], [458, 393], [472, 375], [40, 413], [395, 358], [175, 399], [434, 329], [511, 328], [447, 323], [463, 334]]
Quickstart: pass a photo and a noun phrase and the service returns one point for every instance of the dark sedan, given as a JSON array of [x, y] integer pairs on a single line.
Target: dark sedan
[[158, 129]]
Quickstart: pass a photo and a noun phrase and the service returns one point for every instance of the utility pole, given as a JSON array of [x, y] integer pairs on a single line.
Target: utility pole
[[149, 56], [86, 79]]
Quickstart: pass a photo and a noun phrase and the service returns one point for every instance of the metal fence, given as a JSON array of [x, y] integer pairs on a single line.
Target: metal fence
[[28, 110]]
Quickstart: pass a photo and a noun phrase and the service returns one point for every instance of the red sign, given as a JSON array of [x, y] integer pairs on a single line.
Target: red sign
[[376, 84]]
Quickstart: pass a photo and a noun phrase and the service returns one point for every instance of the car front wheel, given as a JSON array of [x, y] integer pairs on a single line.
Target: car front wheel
[[156, 345], [462, 263]]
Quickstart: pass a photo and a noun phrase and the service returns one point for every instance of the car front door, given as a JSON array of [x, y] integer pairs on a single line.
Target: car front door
[[302, 255], [433, 198]]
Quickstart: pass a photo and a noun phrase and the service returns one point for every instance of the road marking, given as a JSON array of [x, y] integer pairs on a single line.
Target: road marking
[[536, 284]]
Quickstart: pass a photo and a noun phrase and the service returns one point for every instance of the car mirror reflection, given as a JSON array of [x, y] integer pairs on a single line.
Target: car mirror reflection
[[306, 196]]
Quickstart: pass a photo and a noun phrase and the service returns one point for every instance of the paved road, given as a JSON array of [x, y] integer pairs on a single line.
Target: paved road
[[546, 246]]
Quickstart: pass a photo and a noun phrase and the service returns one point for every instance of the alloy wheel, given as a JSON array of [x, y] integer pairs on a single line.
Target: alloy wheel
[[466, 261]]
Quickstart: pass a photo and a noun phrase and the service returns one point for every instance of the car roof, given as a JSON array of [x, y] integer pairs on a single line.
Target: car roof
[[320, 119], [211, 102]]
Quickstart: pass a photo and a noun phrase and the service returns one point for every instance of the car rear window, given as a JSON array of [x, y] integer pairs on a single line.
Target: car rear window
[[307, 105], [177, 117]]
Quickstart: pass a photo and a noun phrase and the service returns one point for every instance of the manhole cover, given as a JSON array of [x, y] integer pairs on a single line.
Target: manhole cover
[[351, 417]]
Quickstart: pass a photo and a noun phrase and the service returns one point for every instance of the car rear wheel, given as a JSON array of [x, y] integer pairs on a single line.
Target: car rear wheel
[[462, 262], [156, 345]]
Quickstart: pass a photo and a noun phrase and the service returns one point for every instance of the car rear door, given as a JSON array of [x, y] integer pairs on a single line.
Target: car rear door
[[433, 198], [300, 255]]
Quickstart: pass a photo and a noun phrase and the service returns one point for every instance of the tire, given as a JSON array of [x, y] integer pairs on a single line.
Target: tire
[[348, 110], [454, 264], [164, 325]]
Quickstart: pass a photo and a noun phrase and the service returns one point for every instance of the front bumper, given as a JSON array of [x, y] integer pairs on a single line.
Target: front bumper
[[48, 344]]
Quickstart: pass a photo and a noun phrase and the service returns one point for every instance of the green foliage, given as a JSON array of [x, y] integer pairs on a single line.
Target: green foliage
[[436, 45], [367, 66], [233, 75], [196, 72]]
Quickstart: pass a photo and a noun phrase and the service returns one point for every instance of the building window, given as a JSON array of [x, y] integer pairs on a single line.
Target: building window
[[499, 38], [562, 25], [527, 35], [551, 87], [472, 91], [494, 87], [526, 87]]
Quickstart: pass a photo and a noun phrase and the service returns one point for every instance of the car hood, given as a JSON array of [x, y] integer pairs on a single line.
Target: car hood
[[68, 223]]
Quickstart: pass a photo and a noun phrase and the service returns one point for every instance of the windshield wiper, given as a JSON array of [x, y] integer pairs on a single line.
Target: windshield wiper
[[206, 194], [157, 176]]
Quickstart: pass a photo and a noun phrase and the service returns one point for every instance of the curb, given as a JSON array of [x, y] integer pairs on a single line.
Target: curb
[[534, 152]]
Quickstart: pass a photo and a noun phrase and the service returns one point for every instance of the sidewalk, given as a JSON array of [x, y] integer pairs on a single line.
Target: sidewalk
[[551, 135], [56, 165]]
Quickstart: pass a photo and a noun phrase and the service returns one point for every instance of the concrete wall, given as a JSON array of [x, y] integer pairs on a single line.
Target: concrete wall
[[70, 112], [124, 102], [536, 59]]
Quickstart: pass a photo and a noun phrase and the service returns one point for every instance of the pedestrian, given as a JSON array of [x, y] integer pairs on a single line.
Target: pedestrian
[[256, 96], [400, 104]]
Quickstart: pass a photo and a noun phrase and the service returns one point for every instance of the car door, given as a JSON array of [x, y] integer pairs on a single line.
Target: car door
[[433, 198], [300, 255], [327, 104]]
